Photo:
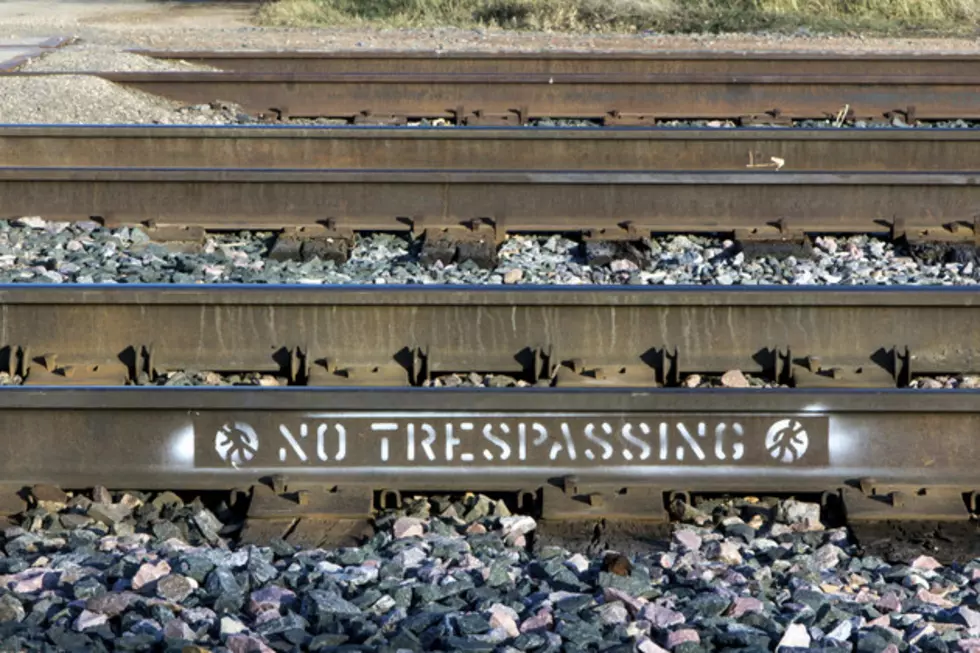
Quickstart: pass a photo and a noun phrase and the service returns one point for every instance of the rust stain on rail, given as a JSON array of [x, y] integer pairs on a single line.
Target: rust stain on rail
[[365, 337], [568, 95], [592, 62], [494, 149]]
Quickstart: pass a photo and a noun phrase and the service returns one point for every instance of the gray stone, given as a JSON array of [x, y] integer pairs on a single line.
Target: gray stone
[[194, 566], [967, 617], [225, 590], [11, 609], [580, 632], [289, 621], [841, 632], [792, 511], [321, 605], [208, 524], [706, 605], [87, 588], [198, 617], [480, 509], [109, 514], [472, 624], [613, 613], [827, 557], [177, 629], [869, 642]]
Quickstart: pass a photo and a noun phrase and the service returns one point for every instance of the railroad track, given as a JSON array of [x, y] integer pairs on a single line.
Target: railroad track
[[603, 433], [539, 149], [632, 89], [565, 62], [770, 189], [494, 99]]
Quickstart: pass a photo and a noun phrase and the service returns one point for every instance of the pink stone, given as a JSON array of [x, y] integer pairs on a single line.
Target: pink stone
[[647, 645], [688, 539], [891, 648], [88, 619], [677, 637], [632, 603], [969, 645], [925, 562], [27, 581], [744, 604], [541, 621], [504, 617], [266, 615], [516, 540], [150, 572], [661, 617], [408, 527], [666, 560], [928, 597], [476, 528], [272, 597], [881, 621], [889, 602], [864, 595], [247, 644]]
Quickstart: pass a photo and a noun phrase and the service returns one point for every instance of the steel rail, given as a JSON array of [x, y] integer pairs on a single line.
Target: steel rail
[[512, 201], [409, 334], [610, 148], [565, 95], [616, 63], [477, 440]]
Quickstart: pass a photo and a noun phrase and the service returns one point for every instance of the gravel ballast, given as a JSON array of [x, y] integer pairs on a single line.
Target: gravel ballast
[[91, 57], [134, 571], [33, 250], [87, 100]]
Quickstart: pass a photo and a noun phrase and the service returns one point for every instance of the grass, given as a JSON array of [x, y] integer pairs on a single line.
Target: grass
[[873, 17]]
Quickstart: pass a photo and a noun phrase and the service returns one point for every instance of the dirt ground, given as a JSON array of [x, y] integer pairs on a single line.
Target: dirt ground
[[228, 25]]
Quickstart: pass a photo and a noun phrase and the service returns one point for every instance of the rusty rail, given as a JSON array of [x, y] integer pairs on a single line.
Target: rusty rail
[[623, 205], [510, 98], [598, 63], [543, 149], [614, 450], [365, 336], [714, 439]]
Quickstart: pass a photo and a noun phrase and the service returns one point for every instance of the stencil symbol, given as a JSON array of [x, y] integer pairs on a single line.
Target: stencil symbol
[[787, 441], [236, 443]]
